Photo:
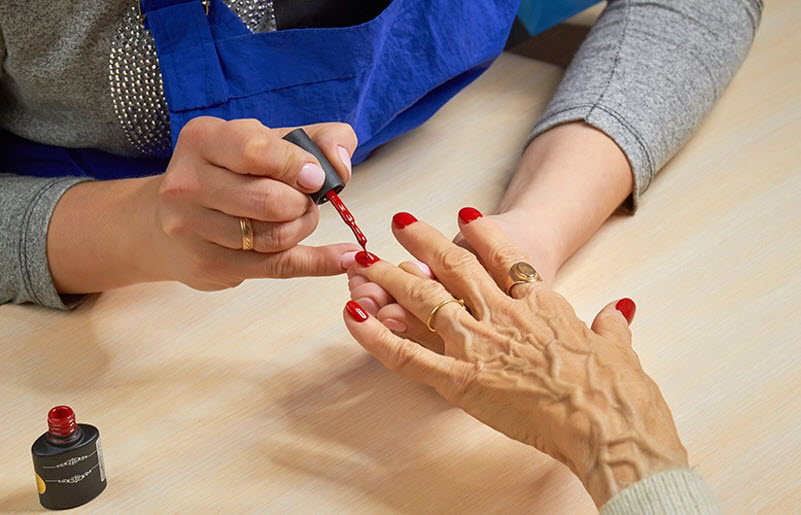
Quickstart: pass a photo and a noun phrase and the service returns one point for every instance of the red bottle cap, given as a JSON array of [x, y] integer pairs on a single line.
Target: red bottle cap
[[61, 421]]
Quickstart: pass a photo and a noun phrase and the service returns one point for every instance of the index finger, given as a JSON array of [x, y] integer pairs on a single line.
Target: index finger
[[248, 147], [403, 356]]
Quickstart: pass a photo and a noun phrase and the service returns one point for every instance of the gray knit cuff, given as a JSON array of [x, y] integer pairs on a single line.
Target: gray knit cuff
[[615, 126], [678, 492], [33, 280]]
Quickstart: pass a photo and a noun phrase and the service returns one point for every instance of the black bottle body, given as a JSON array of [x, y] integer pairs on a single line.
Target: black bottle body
[[72, 475]]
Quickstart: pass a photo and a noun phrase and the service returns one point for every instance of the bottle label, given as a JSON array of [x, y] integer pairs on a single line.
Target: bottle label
[[100, 466]]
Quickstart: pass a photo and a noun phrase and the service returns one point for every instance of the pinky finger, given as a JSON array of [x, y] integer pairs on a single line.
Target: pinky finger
[[402, 356]]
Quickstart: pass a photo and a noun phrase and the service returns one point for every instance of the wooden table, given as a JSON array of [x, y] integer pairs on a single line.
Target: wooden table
[[257, 398]]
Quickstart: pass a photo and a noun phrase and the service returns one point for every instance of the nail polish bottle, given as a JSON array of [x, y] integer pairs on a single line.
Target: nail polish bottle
[[68, 461]]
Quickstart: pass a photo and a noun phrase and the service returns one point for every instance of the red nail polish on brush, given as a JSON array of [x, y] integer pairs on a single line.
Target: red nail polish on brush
[[365, 258], [627, 308], [356, 312], [403, 219], [468, 214], [68, 461]]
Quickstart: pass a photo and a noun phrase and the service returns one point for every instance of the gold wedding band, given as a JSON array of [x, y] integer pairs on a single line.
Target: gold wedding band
[[521, 272], [437, 308], [247, 233]]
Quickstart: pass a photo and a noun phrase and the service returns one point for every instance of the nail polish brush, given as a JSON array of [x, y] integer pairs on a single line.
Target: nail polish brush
[[332, 185]]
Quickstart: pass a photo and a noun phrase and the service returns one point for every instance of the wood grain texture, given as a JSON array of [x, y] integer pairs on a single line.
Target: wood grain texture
[[257, 399]]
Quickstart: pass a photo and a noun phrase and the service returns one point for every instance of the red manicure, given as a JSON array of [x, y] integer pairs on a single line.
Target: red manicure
[[468, 214], [365, 258], [356, 312], [403, 219], [627, 308]]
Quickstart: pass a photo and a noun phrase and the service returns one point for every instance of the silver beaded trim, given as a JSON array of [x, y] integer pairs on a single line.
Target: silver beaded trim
[[136, 87]]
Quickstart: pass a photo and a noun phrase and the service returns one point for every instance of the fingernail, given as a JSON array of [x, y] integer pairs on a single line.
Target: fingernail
[[311, 177], [627, 307], [343, 154], [468, 214], [395, 325], [347, 259], [365, 258], [355, 311], [424, 268], [368, 305], [403, 219]]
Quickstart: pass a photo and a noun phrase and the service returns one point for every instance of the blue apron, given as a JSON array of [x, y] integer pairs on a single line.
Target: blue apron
[[384, 77]]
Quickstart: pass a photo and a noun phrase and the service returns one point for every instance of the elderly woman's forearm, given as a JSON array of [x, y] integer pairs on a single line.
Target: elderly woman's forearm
[[568, 182], [649, 70]]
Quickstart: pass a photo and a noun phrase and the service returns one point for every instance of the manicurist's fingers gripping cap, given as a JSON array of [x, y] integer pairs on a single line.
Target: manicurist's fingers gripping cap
[[333, 182]]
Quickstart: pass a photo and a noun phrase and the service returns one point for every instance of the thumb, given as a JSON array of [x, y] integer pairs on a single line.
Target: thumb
[[614, 319], [301, 261]]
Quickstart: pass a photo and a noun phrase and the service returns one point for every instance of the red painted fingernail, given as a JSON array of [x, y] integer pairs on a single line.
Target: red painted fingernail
[[403, 219], [365, 258], [356, 312], [627, 307], [468, 214]]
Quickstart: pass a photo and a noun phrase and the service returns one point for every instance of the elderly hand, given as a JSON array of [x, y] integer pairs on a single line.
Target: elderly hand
[[523, 364]]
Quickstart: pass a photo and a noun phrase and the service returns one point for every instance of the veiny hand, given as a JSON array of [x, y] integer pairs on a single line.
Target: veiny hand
[[379, 303], [522, 364], [223, 170]]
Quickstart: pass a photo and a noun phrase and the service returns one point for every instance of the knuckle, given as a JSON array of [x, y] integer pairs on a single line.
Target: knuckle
[[290, 160], [425, 292], [278, 236], [174, 225], [503, 256], [195, 129], [263, 202], [179, 182], [403, 354], [284, 265], [255, 150], [463, 378], [455, 259]]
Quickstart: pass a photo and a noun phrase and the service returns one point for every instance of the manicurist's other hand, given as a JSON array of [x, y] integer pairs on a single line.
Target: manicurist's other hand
[[222, 171], [521, 361]]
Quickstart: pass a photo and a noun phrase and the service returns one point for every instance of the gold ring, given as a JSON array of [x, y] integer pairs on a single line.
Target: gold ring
[[521, 272], [247, 233], [437, 308]]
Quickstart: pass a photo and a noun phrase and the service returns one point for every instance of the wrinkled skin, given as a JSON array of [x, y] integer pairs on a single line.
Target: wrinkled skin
[[523, 364]]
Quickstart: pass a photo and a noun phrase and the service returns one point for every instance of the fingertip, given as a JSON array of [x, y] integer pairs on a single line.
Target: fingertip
[[627, 308], [344, 156], [355, 312], [348, 258], [469, 214]]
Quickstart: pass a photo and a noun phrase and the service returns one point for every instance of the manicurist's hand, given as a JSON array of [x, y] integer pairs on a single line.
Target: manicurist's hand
[[222, 171], [189, 224], [522, 362]]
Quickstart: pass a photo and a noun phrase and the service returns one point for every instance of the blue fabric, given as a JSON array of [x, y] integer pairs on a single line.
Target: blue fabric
[[540, 15], [384, 77]]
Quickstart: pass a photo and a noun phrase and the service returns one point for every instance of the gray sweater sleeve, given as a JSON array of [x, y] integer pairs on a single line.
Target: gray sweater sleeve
[[26, 204], [677, 492], [648, 72]]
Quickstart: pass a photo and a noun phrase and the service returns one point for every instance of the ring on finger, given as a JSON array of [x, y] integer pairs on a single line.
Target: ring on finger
[[436, 309], [519, 273], [246, 226]]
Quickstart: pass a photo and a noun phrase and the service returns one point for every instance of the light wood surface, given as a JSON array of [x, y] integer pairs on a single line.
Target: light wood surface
[[258, 399]]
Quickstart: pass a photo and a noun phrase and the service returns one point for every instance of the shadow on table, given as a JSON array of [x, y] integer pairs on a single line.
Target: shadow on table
[[399, 443]]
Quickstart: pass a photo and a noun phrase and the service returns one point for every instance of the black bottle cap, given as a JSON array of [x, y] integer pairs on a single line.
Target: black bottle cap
[[332, 179]]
